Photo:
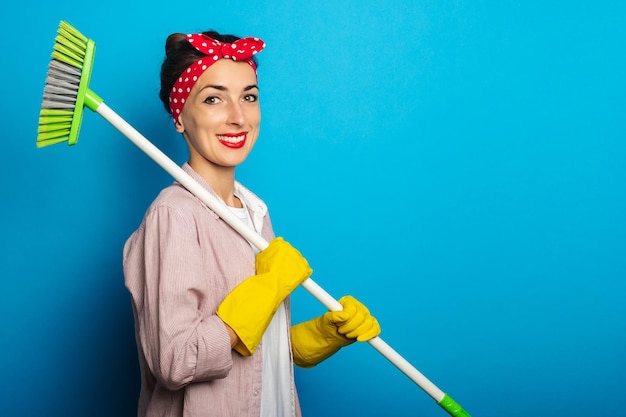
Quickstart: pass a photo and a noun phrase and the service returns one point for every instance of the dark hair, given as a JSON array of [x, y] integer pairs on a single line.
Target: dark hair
[[179, 54]]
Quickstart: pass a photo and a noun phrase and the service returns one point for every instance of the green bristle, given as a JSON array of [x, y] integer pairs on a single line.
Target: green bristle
[[72, 32], [70, 46], [51, 125], [43, 141], [68, 55], [54, 116]]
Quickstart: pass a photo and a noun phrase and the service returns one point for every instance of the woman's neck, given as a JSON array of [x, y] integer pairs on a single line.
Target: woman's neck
[[221, 180]]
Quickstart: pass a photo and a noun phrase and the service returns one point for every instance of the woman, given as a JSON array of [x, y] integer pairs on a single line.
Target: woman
[[211, 314]]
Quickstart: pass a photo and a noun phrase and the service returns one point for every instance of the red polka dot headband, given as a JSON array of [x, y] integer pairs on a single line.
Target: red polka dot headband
[[240, 50]]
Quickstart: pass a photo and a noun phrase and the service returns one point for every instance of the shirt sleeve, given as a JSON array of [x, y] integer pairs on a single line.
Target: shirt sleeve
[[163, 272]]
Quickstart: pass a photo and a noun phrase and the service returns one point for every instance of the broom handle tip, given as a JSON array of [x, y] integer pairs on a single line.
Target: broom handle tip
[[452, 407]]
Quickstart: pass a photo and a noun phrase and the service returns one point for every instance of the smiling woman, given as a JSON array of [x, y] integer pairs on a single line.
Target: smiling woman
[[212, 315]]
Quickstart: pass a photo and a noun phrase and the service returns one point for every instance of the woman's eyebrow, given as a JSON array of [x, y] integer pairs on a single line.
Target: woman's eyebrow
[[217, 87], [224, 88]]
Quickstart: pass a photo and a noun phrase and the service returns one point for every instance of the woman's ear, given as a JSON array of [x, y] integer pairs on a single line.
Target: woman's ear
[[178, 125]]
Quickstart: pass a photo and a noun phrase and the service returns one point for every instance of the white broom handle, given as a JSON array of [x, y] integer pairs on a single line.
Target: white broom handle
[[255, 239]]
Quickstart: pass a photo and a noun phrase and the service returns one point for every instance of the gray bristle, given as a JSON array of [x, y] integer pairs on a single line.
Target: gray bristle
[[63, 67], [61, 86], [59, 83], [55, 103]]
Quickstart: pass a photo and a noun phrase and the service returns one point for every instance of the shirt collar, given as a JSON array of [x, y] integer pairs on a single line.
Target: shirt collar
[[254, 203]]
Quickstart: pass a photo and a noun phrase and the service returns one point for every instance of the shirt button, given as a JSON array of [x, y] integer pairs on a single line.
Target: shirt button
[[255, 392]]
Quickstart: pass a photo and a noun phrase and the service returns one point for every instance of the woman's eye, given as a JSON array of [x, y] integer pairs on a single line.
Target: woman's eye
[[212, 100], [251, 98]]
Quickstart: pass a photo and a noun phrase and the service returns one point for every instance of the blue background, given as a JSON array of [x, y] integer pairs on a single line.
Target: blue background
[[459, 166]]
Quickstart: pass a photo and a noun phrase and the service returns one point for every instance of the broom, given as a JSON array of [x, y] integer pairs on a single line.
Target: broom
[[65, 95]]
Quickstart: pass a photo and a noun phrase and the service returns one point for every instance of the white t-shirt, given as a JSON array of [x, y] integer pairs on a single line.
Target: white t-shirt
[[277, 397]]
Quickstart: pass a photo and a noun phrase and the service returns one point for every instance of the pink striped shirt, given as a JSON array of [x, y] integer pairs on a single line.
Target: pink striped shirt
[[178, 266]]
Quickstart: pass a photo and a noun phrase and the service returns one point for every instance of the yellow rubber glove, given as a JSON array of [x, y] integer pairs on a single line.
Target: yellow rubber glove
[[250, 306], [319, 338]]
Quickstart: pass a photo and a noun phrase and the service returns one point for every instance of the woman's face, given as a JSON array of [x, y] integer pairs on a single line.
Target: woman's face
[[221, 118]]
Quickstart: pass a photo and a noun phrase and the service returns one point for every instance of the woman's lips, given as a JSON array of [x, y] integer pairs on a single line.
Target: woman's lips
[[232, 140]]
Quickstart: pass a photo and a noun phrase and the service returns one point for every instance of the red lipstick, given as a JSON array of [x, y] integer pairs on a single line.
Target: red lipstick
[[233, 140]]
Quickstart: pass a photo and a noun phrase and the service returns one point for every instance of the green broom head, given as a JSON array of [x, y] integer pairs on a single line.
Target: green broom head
[[67, 84]]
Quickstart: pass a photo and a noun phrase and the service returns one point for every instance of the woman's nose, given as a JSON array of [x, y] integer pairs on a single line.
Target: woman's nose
[[236, 115]]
